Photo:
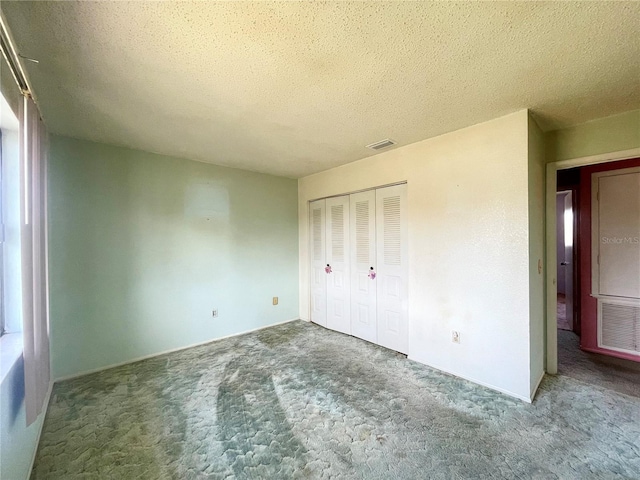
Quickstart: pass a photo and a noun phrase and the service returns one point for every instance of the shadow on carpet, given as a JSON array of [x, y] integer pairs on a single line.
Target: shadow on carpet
[[299, 401]]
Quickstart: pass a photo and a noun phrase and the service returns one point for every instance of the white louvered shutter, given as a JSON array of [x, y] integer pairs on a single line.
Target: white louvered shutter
[[363, 286], [391, 233], [338, 281], [318, 261]]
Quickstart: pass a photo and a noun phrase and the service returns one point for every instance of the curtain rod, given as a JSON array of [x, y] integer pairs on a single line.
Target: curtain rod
[[11, 56]]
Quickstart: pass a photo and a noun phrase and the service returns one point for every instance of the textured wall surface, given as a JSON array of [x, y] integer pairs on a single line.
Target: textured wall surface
[[295, 88], [142, 248], [468, 215], [610, 134], [536, 158]]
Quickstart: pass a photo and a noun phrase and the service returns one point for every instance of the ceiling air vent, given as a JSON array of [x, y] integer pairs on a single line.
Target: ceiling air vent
[[381, 144]]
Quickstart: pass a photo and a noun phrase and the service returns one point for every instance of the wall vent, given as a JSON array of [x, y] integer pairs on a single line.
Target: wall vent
[[619, 325], [381, 144]]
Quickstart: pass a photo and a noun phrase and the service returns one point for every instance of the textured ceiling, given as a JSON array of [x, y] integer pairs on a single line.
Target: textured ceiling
[[293, 88]]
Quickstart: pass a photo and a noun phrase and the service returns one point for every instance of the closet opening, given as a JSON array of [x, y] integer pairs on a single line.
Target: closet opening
[[359, 267]]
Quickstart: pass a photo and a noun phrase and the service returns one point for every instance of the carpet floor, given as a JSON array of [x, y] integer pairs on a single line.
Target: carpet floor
[[299, 401], [563, 321], [619, 375]]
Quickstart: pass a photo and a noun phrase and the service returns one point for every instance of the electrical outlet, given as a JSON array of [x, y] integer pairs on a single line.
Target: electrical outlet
[[275, 300], [214, 312], [455, 337]]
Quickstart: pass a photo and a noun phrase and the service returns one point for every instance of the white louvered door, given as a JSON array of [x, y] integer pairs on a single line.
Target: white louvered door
[[352, 237], [392, 273], [363, 263], [337, 240], [318, 262]]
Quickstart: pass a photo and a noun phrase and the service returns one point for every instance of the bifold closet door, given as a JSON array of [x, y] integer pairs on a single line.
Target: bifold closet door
[[363, 265], [392, 273], [318, 254], [337, 263]]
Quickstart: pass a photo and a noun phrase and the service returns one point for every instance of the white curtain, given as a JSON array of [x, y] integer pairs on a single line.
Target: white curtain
[[35, 298]]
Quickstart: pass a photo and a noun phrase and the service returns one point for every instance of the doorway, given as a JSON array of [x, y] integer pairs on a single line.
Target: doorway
[[359, 269], [594, 203], [562, 176], [565, 259]]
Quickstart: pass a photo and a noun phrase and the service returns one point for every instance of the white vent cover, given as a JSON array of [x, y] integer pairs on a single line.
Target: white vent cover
[[619, 325], [381, 144]]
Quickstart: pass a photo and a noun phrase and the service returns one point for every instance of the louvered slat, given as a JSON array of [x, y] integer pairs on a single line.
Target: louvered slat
[[362, 232], [317, 234], [392, 240], [337, 233], [620, 326]]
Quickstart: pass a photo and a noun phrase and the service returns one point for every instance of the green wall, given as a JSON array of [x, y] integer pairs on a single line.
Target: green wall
[[609, 134], [142, 247]]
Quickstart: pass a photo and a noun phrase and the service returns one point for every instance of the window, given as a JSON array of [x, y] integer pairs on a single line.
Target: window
[[2, 301], [10, 257]]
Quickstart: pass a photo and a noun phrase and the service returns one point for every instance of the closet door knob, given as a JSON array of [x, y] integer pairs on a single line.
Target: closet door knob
[[327, 269]]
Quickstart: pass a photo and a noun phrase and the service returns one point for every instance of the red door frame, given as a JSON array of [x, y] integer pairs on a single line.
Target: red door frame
[[588, 304]]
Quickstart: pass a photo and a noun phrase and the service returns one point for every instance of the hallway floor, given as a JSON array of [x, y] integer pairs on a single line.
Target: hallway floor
[[606, 372], [299, 401], [563, 322]]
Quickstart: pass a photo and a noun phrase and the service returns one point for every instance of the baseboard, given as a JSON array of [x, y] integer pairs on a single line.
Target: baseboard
[[44, 417], [612, 355], [165, 352], [537, 385], [477, 382]]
